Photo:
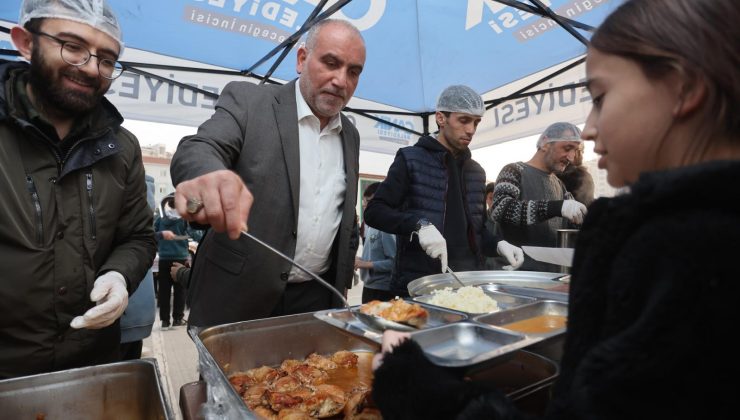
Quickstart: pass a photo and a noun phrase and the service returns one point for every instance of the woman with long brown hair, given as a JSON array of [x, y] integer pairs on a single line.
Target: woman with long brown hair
[[654, 279]]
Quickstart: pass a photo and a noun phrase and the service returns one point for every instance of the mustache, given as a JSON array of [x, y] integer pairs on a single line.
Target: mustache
[[336, 92], [76, 74]]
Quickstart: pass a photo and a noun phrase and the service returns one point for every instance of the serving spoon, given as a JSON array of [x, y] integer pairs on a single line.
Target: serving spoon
[[454, 276], [375, 322]]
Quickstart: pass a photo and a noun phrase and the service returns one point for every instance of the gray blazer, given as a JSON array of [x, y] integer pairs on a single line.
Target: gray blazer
[[254, 132]]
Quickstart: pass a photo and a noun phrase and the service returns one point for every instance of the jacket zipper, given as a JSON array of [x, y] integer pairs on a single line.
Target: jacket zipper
[[37, 209], [91, 208]]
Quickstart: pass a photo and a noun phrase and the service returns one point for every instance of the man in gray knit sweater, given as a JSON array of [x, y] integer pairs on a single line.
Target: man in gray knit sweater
[[530, 203]]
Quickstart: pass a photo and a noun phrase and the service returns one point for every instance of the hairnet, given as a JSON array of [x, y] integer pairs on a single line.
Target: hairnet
[[460, 98], [96, 13], [555, 132]]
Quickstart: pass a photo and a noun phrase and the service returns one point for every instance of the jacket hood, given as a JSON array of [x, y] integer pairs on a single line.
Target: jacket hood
[[170, 196], [6, 69], [432, 144]]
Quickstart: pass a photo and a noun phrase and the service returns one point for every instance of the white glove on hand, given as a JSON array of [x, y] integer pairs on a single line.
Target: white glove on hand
[[434, 244], [573, 211], [513, 254], [110, 294]]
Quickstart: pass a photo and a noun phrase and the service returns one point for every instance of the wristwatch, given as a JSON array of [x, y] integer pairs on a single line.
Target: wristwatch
[[422, 222]]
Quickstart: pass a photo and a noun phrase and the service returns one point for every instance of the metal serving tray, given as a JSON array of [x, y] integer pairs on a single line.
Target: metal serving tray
[[530, 279], [125, 390], [465, 344], [230, 348], [341, 318], [503, 300], [539, 294], [545, 307]]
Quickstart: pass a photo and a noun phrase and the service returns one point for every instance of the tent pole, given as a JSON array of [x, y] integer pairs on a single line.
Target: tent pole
[[309, 21], [559, 20], [493, 102], [295, 37], [425, 121], [537, 11]]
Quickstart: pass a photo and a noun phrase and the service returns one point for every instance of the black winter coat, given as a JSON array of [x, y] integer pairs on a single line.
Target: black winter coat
[[653, 303], [417, 187]]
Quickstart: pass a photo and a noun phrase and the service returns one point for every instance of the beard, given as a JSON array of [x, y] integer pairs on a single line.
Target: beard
[[47, 84]]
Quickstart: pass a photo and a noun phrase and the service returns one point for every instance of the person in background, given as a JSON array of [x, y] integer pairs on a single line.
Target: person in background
[[432, 198], [655, 284], [76, 231], [377, 261], [138, 318], [577, 180], [530, 203], [180, 273], [172, 235], [284, 159]]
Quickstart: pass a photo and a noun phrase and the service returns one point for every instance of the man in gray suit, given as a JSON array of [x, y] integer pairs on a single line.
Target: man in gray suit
[[284, 161]]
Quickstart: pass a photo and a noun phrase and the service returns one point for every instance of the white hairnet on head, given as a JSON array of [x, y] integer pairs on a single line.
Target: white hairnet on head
[[460, 98], [96, 13], [559, 131]]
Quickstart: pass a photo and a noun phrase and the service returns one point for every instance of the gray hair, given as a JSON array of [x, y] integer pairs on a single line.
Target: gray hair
[[555, 132], [313, 33]]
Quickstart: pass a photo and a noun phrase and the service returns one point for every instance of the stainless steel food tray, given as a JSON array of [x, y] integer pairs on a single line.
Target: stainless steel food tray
[[503, 300], [125, 390], [230, 348], [341, 318], [466, 344], [480, 340], [543, 307], [528, 279], [457, 339], [236, 347], [540, 294]]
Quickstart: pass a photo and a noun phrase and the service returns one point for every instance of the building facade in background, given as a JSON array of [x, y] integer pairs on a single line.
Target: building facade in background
[[157, 164]]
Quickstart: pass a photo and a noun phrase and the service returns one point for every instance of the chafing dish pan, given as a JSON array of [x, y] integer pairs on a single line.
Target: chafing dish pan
[[125, 390], [230, 348], [530, 279]]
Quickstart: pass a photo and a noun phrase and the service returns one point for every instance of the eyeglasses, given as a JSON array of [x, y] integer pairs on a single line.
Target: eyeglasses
[[78, 55]]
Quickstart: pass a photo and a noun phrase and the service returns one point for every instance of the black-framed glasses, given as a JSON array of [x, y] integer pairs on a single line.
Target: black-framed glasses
[[78, 55]]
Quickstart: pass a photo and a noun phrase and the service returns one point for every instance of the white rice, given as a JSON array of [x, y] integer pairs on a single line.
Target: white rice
[[466, 299]]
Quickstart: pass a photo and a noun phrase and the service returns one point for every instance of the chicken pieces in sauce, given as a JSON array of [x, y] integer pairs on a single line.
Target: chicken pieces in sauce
[[298, 389]]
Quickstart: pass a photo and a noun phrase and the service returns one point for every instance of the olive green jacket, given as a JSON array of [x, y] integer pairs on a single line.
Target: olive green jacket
[[66, 216]]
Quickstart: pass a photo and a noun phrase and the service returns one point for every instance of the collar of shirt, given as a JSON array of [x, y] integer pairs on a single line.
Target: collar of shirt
[[304, 111], [322, 188]]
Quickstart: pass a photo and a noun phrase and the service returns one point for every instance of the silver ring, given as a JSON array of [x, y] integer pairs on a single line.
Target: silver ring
[[194, 205]]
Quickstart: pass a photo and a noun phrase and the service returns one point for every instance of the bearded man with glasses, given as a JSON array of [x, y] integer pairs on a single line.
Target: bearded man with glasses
[[76, 233]]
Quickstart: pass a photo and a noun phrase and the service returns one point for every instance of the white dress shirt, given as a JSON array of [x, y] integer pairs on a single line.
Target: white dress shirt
[[322, 189]]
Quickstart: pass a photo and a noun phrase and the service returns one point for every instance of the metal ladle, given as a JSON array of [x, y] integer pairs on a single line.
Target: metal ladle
[[454, 276], [372, 321]]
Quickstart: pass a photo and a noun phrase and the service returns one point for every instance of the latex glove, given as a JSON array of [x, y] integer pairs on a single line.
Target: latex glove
[[573, 211], [513, 254], [111, 296], [434, 244]]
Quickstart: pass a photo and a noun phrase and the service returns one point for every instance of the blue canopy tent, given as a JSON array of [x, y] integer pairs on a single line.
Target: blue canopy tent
[[525, 58]]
